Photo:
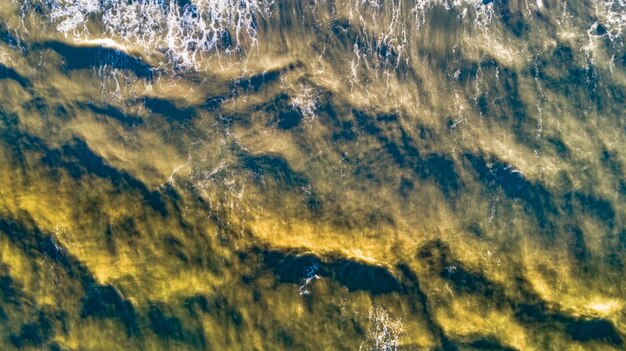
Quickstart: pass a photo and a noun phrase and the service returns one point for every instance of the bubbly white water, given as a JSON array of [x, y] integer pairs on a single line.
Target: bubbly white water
[[385, 332], [185, 33], [182, 32]]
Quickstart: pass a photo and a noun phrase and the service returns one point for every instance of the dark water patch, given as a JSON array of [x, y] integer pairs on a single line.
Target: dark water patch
[[36, 104], [406, 187], [176, 248], [290, 268], [9, 291], [512, 181], [579, 329], [534, 311], [578, 246], [28, 238], [99, 301], [513, 20], [594, 329], [600, 29], [114, 113], [564, 54], [36, 325], [286, 338], [168, 109], [414, 290], [124, 230], [79, 160], [501, 102], [40, 106], [538, 199], [476, 229], [16, 142], [354, 275], [33, 334], [55, 347], [616, 245], [273, 167], [442, 262], [359, 276], [441, 168], [287, 116], [367, 123], [195, 304], [591, 204], [559, 146], [225, 311], [89, 57], [344, 36], [10, 73], [482, 103], [167, 326], [615, 97], [9, 38], [34, 242], [528, 307], [405, 154], [487, 343], [464, 280], [106, 302], [511, 108], [464, 72], [583, 85], [610, 161], [49, 248], [39, 246], [164, 326], [213, 103], [110, 242], [182, 4], [226, 41], [426, 134], [169, 190], [256, 82], [343, 129]]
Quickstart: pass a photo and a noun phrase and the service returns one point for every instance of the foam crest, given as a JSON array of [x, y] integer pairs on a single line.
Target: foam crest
[[183, 32], [482, 10], [187, 31], [385, 331], [612, 14]]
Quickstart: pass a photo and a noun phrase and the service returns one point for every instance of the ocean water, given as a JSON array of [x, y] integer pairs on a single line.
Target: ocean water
[[312, 175]]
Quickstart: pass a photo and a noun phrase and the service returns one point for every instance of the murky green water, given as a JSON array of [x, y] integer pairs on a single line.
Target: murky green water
[[312, 175]]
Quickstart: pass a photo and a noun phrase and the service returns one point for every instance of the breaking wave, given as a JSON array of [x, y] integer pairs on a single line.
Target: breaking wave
[[186, 31]]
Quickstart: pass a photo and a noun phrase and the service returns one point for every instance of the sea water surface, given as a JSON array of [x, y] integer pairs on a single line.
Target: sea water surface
[[312, 175]]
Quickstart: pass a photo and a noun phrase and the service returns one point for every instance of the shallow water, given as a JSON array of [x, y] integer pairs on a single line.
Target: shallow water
[[312, 175]]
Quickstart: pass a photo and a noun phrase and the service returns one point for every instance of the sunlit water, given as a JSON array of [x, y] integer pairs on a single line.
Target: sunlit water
[[312, 175]]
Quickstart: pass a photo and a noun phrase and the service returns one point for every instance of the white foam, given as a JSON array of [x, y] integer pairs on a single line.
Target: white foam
[[104, 42], [184, 33], [612, 14], [385, 332]]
